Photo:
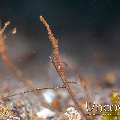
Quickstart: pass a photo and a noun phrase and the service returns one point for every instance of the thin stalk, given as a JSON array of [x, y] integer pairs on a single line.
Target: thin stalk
[[58, 64]]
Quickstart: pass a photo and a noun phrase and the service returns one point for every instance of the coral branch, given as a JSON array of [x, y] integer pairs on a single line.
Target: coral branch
[[6, 59], [59, 66]]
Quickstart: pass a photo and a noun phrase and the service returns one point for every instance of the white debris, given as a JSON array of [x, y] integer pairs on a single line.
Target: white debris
[[45, 113], [72, 114], [49, 96]]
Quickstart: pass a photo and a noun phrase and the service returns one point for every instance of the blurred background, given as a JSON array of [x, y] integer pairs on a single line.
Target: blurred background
[[88, 32]]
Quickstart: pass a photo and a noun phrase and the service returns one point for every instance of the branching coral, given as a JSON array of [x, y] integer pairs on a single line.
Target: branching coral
[[56, 59]]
